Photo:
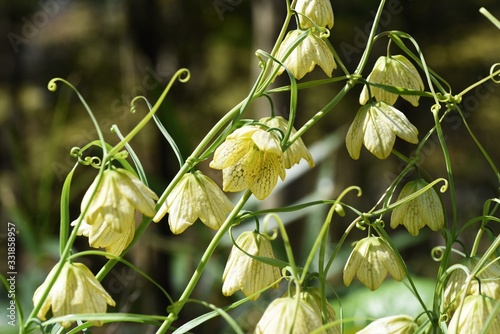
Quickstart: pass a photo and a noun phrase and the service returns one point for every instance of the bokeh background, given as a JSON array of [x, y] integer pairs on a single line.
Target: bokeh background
[[114, 50]]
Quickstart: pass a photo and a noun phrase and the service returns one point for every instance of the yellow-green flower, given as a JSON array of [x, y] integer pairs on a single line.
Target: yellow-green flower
[[246, 274], [289, 315], [313, 296], [472, 315], [394, 71], [426, 209], [101, 235], [297, 151], [117, 197], [311, 51], [75, 291], [371, 259], [487, 283], [110, 220], [319, 11], [195, 196], [376, 125], [250, 158], [396, 324]]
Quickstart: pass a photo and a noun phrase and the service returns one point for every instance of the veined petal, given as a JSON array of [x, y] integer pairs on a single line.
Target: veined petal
[[378, 137], [398, 122], [319, 11], [182, 212], [266, 142], [269, 170], [355, 134]]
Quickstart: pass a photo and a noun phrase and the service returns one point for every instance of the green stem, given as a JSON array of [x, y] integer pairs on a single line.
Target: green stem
[[177, 307], [183, 75]]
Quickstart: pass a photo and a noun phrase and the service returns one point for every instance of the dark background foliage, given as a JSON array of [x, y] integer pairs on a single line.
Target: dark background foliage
[[114, 50]]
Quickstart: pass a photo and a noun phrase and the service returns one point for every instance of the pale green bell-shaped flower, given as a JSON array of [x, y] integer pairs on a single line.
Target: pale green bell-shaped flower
[[75, 291], [426, 209], [472, 315], [395, 71], [371, 259], [245, 273], [376, 125], [297, 151], [311, 51], [110, 220], [319, 11], [396, 324], [195, 196], [289, 315], [250, 158], [487, 283]]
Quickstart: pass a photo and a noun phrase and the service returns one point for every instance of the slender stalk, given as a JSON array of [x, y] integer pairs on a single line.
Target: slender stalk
[[177, 307]]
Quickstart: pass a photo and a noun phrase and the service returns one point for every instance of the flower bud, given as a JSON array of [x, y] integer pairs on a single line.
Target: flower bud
[[371, 259], [426, 209]]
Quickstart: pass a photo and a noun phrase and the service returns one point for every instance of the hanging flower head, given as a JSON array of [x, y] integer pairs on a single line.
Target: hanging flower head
[[75, 291], [371, 259], [243, 272], [473, 314], [400, 324], [395, 71], [311, 51], [116, 198], [376, 125], [250, 158], [318, 11], [426, 209], [487, 283], [195, 196], [289, 315], [110, 220], [297, 151]]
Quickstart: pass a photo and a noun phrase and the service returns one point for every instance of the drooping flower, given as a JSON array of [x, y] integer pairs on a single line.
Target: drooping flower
[[195, 196], [371, 259], [250, 158], [395, 71], [311, 51], [110, 220], [102, 235], [75, 291], [289, 315], [245, 273], [396, 324], [297, 151], [376, 125], [426, 209], [319, 11], [487, 283], [472, 316], [312, 296]]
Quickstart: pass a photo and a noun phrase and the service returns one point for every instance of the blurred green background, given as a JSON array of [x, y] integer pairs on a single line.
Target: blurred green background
[[114, 50]]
